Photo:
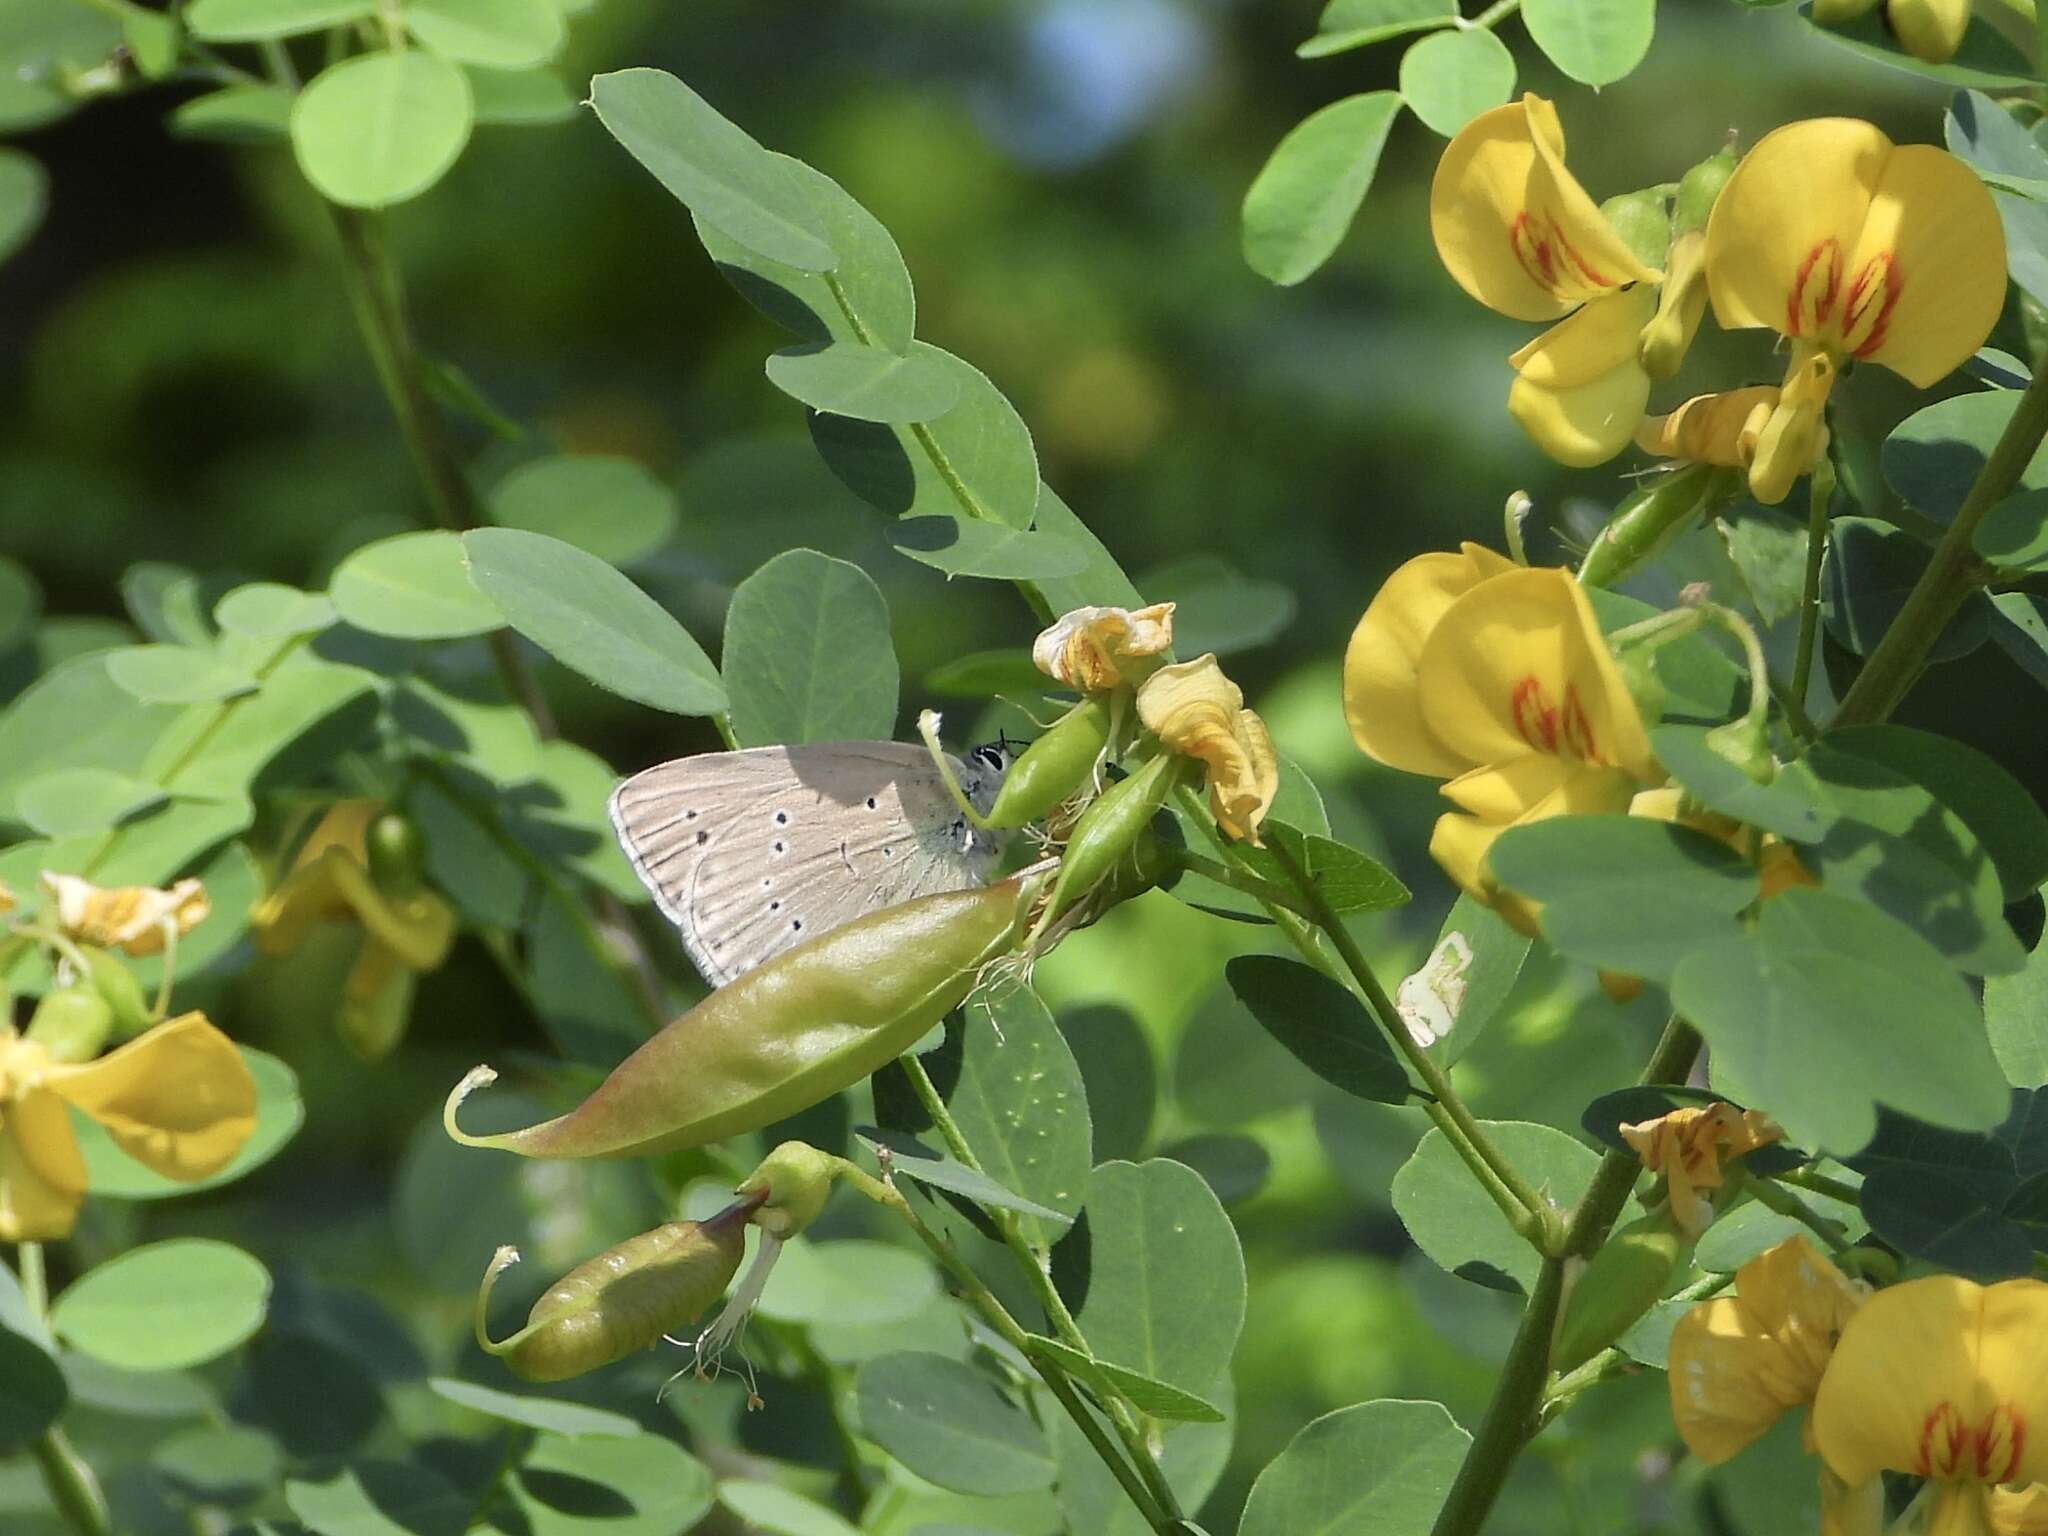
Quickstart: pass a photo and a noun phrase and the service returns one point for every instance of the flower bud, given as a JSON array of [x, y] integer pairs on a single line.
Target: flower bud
[[623, 1300], [1621, 1282], [1655, 514], [1643, 221], [786, 1034], [1054, 766], [72, 1023], [1745, 743], [1930, 30], [397, 854], [790, 1187]]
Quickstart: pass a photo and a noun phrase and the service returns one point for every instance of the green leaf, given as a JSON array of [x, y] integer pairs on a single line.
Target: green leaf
[[1892, 843], [775, 1511], [248, 21], [1933, 456], [612, 508], [1101, 581], [868, 296], [1872, 568], [223, 1464], [269, 610], [520, 96], [2014, 534], [1768, 551], [951, 1425], [984, 674], [279, 1113], [35, 1393], [853, 1280], [989, 550], [176, 674], [24, 195], [1166, 1287], [1985, 134], [381, 127], [1786, 806], [1374, 1469], [2016, 1019], [1154, 1399], [1326, 1028], [1991, 802], [1701, 684], [75, 800], [234, 114], [1192, 1456], [165, 1305], [1217, 607], [484, 729], [42, 47], [1235, 1167], [1931, 1214], [412, 586], [1830, 1008], [1986, 57], [1303, 200], [218, 752], [1449, 78], [1596, 42], [808, 655], [850, 378], [1354, 23], [710, 164], [1456, 1223], [498, 34], [912, 1159], [1626, 893], [379, 1498], [593, 620], [75, 716], [546, 1413], [1498, 953], [21, 603], [1021, 1104], [1121, 1075]]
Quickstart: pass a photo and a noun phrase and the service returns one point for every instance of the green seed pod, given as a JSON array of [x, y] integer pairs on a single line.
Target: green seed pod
[[1697, 190], [1110, 827], [397, 854], [112, 979], [1745, 742], [1054, 766], [623, 1300], [795, 1030], [72, 1023], [1643, 221], [1621, 1282], [1652, 517]]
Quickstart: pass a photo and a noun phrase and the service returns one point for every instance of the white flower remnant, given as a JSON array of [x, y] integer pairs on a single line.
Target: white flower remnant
[[1428, 1001]]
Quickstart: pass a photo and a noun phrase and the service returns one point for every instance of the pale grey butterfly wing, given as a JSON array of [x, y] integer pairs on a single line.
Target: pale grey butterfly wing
[[750, 853]]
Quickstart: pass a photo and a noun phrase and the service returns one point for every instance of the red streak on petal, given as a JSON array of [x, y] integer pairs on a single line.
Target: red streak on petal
[[1882, 273], [1826, 299], [1535, 719]]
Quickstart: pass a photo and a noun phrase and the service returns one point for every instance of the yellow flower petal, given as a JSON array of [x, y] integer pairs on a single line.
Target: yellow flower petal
[[1738, 1363], [1518, 664], [42, 1172], [1850, 1511], [1942, 1378], [1795, 434], [1711, 429], [1930, 30], [1381, 702], [1528, 788], [178, 1099], [1687, 1147], [420, 928], [1085, 649], [1681, 303], [132, 918], [1198, 712], [1589, 343], [1585, 424], [1514, 227]]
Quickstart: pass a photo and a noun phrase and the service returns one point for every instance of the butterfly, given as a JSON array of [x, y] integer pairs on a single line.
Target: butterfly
[[750, 853]]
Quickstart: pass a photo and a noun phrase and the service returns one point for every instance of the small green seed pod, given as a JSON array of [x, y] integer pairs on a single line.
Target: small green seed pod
[[1643, 220], [1054, 766], [1652, 517], [397, 854], [1697, 190], [1621, 1282], [623, 1300], [1110, 827], [112, 979], [72, 1023], [795, 1030]]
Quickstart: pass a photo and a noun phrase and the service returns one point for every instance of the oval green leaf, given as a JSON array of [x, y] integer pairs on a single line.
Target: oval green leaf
[[1302, 202], [850, 378], [1456, 1223], [951, 1425], [249, 21], [78, 800], [808, 654], [24, 195], [1326, 1028], [269, 610], [1375, 1469], [165, 1305], [987, 550], [1349, 24], [613, 508], [649, 1486], [1021, 1104], [412, 586], [1449, 78], [548, 1413], [498, 34], [177, 674], [381, 127], [1596, 42]]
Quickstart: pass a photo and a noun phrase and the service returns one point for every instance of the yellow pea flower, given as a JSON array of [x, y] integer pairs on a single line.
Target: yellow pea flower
[[1853, 248], [1687, 1147], [1198, 712], [1518, 233], [1496, 678], [1942, 1378], [178, 1099], [1722, 428], [1090, 649], [137, 919], [405, 933], [1737, 1364]]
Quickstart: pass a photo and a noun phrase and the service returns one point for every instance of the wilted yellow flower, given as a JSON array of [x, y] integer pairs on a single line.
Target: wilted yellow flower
[[1738, 1363], [1198, 712], [1089, 648], [1852, 247], [1720, 428], [177, 1098], [1687, 1147], [405, 933], [1519, 234], [1930, 30], [137, 919], [1945, 1379], [1496, 678]]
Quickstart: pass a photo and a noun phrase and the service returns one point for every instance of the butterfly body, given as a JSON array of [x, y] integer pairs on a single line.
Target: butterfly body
[[752, 852]]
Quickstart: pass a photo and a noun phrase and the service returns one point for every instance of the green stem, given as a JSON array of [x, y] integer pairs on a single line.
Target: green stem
[[1613, 1361], [35, 1282], [73, 1489], [1820, 1184], [1822, 494], [1242, 880], [1039, 1276], [1510, 1416], [1954, 572], [1532, 1215], [1493, 15], [1785, 1203]]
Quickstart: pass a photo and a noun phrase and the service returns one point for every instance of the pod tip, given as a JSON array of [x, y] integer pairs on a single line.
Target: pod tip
[[475, 1078], [501, 1261]]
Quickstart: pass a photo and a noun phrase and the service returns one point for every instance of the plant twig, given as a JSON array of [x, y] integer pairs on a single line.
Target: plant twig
[[1511, 1415], [73, 1489]]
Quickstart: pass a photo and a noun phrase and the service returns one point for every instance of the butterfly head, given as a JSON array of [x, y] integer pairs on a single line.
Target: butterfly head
[[986, 765]]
